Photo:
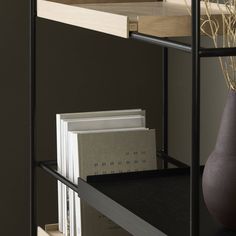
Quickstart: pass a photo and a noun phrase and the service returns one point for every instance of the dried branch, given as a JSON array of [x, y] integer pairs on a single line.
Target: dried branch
[[211, 26]]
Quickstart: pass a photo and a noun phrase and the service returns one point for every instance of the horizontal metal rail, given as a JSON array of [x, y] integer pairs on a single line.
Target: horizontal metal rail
[[171, 160], [48, 167], [161, 42], [217, 52], [203, 52]]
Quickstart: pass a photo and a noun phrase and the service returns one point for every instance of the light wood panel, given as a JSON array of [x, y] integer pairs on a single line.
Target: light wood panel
[[169, 8], [177, 26], [50, 230], [175, 20], [90, 19], [42, 232], [99, 1], [135, 10], [164, 19]]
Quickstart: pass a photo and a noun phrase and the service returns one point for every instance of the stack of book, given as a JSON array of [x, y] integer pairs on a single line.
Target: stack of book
[[96, 143]]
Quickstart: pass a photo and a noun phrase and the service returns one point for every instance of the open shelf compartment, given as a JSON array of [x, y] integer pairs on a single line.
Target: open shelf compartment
[[169, 18], [153, 203]]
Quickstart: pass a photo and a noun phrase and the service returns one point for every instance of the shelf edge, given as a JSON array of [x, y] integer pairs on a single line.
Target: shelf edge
[[111, 209], [104, 22]]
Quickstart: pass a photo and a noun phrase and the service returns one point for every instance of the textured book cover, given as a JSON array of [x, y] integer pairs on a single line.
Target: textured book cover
[[105, 153]]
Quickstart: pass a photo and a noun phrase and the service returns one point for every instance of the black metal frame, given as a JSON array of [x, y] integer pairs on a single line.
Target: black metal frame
[[165, 105], [32, 118], [196, 51]]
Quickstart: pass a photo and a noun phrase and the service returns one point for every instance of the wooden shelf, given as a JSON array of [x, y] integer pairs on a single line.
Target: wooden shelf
[[50, 230], [163, 19]]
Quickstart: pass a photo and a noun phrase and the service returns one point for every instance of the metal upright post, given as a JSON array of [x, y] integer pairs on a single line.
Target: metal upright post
[[195, 162], [32, 98], [165, 104]]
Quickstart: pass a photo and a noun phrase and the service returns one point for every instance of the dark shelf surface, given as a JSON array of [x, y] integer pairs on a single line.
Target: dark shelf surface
[[148, 203], [160, 198]]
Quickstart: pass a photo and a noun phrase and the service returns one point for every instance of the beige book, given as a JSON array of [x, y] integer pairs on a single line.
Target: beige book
[[105, 153], [61, 119]]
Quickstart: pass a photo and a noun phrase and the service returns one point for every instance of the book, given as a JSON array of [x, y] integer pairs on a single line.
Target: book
[[62, 122], [104, 152], [131, 122]]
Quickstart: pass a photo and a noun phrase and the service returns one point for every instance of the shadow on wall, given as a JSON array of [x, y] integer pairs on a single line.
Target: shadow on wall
[[213, 96]]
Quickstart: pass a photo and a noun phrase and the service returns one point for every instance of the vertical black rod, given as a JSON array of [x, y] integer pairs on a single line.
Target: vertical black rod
[[195, 162], [32, 96], [165, 104]]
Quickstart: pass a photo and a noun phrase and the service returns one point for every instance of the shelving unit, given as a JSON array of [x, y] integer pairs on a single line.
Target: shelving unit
[[168, 201]]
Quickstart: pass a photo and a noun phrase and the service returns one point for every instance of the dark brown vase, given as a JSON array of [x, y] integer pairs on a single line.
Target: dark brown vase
[[219, 177]]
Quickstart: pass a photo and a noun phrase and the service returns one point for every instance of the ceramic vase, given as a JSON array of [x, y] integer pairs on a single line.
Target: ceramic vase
[[219, 177]]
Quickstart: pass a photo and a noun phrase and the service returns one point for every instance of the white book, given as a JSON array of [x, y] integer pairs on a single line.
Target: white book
[[59, 168], [80, 115], [61, 142], [109, 152], [91, 124]]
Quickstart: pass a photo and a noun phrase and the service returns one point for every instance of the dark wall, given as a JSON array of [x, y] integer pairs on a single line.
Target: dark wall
[[13, 118], [77, 70]]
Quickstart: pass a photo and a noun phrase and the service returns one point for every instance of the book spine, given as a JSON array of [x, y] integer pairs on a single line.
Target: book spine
[[59, 185]]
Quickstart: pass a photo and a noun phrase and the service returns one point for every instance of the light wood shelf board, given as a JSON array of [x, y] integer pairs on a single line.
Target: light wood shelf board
[[86, 18], [50, 230], [164, 19], [71, 2]]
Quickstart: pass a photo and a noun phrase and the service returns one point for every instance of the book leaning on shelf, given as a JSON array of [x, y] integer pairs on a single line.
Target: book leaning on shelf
[[80, 122], [99, 143]]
